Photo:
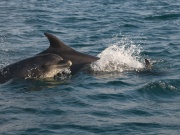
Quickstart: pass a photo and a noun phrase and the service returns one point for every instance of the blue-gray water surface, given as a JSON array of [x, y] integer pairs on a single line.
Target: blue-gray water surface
[[126, 102]]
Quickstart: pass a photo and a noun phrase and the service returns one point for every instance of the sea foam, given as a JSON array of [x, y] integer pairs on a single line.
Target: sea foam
[[122, 55]]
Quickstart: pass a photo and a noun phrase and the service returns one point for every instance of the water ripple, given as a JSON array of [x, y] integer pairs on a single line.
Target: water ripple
[[127, 99]]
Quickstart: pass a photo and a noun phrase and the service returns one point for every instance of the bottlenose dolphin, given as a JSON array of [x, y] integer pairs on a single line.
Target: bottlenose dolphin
[[39, 66], [67, 53]]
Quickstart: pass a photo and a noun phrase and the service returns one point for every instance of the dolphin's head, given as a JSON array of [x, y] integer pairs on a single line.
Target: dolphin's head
[[47, 65], [54, 69]]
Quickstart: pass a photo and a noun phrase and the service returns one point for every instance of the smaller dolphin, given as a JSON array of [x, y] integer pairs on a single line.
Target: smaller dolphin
[[39, 66]]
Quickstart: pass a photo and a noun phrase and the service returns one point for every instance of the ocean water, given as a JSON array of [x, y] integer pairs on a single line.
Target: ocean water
[[115, 95]]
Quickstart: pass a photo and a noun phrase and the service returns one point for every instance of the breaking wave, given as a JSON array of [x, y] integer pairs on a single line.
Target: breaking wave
[[120, 56]]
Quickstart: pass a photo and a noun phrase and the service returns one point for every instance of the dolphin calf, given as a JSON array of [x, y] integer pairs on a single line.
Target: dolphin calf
[[67, 53], [39, 66]]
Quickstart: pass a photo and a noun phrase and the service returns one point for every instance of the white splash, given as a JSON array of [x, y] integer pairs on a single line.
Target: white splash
[[120, 56]]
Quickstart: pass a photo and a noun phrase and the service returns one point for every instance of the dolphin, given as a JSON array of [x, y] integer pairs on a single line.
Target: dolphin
[[78, 59], [39, 66]]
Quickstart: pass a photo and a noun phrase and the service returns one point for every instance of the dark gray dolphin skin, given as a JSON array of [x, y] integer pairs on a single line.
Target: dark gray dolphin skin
[[39, 66], [67, 53], [148, 65]]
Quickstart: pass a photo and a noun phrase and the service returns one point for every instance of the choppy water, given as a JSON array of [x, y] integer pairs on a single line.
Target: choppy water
[[117, 96]]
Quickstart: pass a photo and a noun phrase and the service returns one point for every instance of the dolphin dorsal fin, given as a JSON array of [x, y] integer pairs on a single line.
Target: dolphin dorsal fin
[[56, 43], [148, 64]]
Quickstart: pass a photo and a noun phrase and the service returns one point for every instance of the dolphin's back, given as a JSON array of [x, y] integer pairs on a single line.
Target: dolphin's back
[[78, 59]]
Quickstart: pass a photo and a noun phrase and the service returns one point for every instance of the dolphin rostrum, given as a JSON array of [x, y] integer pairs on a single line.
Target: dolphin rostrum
[[67, 53], [39, 66]]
